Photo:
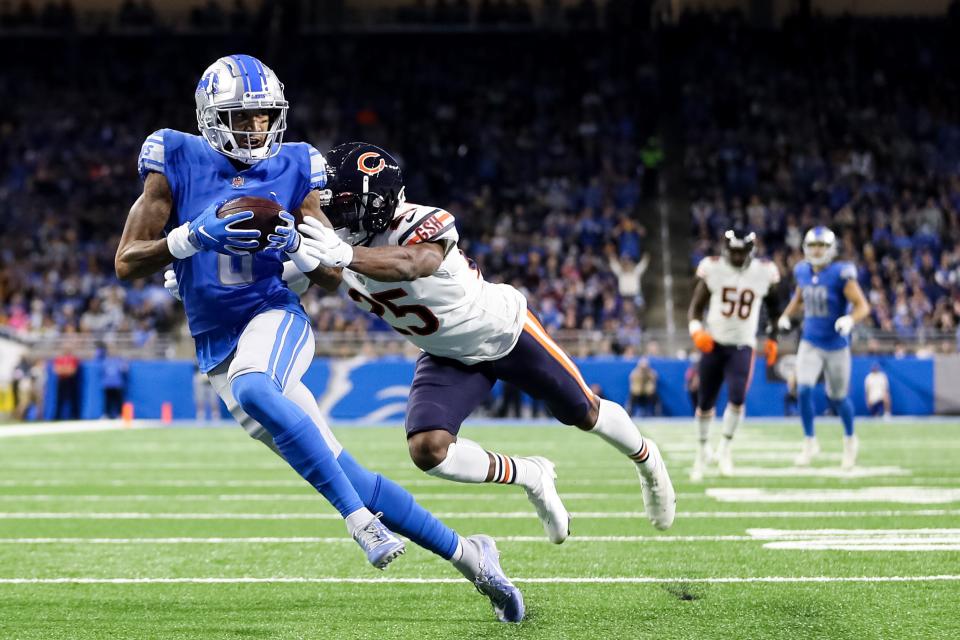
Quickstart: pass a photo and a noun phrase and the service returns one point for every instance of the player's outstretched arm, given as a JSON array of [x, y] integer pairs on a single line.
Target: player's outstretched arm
[[143, 250], [386, 264], [398, 264]]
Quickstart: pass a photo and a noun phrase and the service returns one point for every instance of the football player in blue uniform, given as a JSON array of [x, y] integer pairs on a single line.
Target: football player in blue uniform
[[253, 338], [826, 291]]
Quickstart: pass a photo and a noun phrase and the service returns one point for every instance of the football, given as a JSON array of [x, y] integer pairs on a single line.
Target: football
[[266, 215]]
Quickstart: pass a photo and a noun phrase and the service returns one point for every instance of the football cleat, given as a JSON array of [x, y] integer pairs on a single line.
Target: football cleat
[[491, 581], [553, 515], [379, 543], [659, 498], [810, 450], [851, 446], [725, 460]]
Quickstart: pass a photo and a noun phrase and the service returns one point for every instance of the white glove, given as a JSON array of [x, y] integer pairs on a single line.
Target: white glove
[[170, 283], [844, 325], [784, 323], [322, 243]]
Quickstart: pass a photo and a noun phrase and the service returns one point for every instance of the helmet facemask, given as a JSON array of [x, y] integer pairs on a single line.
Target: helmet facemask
[[362, 215]]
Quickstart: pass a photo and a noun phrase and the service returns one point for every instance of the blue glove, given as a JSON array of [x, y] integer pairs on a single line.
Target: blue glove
[[285, 236], [210, 233]]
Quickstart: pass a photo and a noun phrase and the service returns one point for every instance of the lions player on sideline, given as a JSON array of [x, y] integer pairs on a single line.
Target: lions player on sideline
[[400, 261], [252, 336], [825, 291], [732, 284]]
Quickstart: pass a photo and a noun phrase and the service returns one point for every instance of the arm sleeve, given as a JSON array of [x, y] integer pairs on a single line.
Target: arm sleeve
[[436, 225], [848, 272], [151, 158], [318, 169]]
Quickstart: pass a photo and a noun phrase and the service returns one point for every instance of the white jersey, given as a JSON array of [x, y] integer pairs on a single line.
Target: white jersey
[[735, 298], [453, 313]]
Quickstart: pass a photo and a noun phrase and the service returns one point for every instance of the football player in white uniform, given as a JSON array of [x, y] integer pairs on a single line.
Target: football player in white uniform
[[401, 262], [730, 288]]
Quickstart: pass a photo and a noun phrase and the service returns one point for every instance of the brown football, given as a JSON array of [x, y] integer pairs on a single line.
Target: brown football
[[266, 215]]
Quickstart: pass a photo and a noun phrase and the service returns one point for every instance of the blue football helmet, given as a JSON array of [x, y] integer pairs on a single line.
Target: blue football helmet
[[240, 83], [819, 246]]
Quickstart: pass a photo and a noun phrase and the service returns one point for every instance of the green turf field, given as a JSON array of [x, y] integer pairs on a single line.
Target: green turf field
[[202, 533]]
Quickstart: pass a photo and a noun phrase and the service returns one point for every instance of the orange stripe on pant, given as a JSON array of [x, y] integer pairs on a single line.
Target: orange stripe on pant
[[543, 339]]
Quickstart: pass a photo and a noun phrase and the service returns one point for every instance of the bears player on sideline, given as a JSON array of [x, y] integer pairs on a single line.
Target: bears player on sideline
[[825, 291], [253, 337], [733, 285], [401, 262]]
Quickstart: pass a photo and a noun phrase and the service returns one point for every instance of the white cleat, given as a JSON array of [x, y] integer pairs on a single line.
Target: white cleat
[[553, 515], [725, 460], [811, 448], [701, 461], [659, 498], [851, 446]]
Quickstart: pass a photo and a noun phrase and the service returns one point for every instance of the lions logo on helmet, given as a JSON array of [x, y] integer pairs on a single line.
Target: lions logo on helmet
[[365, 188], [819, 246], [739, 247], [240, 83]]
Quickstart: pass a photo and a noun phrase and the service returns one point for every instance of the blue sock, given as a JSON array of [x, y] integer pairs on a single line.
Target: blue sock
[[806, 409], [297, 438], [401, 513], [844, 409]]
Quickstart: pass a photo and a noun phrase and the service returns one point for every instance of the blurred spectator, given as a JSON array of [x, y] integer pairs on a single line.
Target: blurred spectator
[[205, 398], [114, 377], [66, 368], [876, 388], [511, 402], [28, 389], [644, 398]]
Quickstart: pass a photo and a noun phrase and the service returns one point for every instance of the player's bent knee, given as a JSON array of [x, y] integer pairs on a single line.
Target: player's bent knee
[[251, 390], [589, 421], [429, 448]]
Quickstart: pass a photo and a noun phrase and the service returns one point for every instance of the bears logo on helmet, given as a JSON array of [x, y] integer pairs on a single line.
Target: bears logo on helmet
[[366, 187], [370, 155]]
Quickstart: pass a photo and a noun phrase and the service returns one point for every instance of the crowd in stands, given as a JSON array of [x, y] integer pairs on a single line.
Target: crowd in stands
[[850, 124], [534, 146]]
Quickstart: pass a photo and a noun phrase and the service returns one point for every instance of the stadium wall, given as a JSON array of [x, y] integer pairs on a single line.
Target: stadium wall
[[372, 390]]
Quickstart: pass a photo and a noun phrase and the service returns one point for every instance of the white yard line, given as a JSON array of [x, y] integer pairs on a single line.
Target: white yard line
[[489, 515], [73, 426], [901, 495], [815, 472], [549, 580]]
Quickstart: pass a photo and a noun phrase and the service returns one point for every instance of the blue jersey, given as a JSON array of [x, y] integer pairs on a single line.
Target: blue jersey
[[221, 294], [824, 302]]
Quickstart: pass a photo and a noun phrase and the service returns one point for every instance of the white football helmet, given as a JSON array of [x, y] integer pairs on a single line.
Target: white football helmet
[[819, 246], [240, 83]]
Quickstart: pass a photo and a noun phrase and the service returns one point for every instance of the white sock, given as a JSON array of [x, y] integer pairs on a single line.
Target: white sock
[[466, 559], [703, 427], [616, 427], [731, 420], [467, 461], [358, 518]]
